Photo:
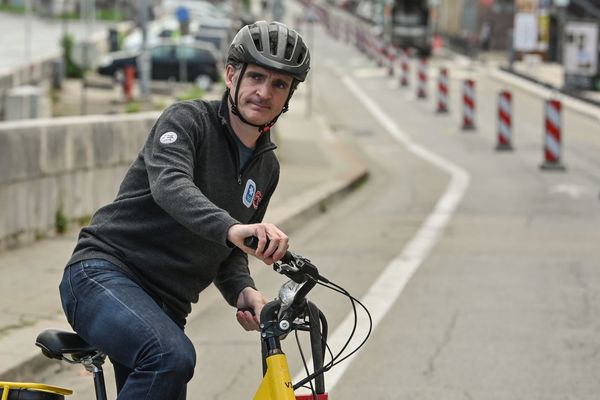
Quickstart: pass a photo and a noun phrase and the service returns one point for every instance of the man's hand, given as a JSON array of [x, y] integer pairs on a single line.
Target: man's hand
[[254, 300], [278, 241]]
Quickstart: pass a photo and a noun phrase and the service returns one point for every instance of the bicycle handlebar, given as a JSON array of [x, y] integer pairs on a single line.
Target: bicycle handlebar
[[252, 242], [294, 266]]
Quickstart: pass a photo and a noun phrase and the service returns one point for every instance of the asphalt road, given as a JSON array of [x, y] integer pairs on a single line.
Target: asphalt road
[[504, 302]]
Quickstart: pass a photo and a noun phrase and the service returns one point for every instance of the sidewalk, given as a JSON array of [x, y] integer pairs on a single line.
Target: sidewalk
[[316, 168], [546, 74]]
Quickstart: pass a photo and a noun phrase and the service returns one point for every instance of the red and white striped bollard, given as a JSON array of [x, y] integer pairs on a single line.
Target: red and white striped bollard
[[422, 78], [504, 121], [442, 104], [468, 105], [552, 128], [391, 58], [404, 67]]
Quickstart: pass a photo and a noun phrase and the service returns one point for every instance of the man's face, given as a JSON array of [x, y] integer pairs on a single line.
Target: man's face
[[262, 92]]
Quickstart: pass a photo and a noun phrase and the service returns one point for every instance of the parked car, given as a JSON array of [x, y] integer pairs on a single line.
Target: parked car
[[215, 37], [180, 61]]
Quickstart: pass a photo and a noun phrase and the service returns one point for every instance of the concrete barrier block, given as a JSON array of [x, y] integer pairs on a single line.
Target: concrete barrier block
[[74, 165], [82, 195], [18, 203], [55, 154], [133, 136], [46, 190], [19, 154], [107, 182], [4, 204], [82, 147], [105, 141]]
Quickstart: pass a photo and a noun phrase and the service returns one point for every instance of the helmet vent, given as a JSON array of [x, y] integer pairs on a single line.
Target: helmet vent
[[258, 44]]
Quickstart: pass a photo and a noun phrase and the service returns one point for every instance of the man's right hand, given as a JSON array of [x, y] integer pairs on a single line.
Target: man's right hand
[[278, 241]]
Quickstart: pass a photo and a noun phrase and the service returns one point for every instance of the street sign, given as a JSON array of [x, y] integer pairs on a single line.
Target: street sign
[[526, 32], [580, 54]]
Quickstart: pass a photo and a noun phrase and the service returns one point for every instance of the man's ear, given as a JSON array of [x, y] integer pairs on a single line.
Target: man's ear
[[229, 74]]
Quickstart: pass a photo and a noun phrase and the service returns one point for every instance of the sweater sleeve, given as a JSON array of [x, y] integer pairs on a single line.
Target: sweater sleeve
[[233, 275], [169, 155]]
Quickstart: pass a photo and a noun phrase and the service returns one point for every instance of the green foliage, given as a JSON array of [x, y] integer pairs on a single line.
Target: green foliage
[[11, 8], [84, 220], [194, 92], [60, 221], [110, 14], [160, 104], [133, 106], [72, 70], [70, 15]]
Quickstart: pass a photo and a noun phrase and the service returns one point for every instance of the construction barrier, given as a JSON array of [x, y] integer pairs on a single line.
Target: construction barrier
[[468, 104], [385, 55], [422, 78], [504, 121], [552, 128], [442, 104]]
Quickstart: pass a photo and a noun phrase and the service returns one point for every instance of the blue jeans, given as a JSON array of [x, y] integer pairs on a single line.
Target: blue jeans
[[153, 358]]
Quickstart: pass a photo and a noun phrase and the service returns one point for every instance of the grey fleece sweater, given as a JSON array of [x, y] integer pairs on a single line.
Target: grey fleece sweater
[[167, 226]]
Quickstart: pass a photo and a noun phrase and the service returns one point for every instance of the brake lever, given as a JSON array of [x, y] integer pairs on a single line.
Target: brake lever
[[293, 266]]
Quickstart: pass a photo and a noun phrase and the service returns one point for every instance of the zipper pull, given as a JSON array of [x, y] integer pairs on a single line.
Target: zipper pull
[[239, 179]]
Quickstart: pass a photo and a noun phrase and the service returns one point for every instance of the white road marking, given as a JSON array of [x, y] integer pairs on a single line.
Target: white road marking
[[390, 284], [570, 189]]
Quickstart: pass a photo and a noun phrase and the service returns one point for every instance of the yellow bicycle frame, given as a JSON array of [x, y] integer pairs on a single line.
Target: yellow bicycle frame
[[7, 386], [277, 382]]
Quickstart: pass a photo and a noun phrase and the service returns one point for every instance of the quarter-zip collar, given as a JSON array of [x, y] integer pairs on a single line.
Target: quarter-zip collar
[[263, 144]]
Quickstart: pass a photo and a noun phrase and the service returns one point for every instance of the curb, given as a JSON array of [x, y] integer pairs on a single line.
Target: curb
[[566, 92], [331, 193], [27, 362], [583, 106]]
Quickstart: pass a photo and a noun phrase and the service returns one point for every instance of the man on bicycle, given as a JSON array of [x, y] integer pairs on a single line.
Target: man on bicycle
[[199, 187]]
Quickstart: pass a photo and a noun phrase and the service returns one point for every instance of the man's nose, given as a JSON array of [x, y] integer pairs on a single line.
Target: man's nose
[[264, 90]]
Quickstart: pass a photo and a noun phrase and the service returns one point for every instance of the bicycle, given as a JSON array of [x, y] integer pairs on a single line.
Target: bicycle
[[289, 312]]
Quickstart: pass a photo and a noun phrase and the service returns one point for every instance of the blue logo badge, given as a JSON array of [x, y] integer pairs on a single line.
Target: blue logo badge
[[249, 193]]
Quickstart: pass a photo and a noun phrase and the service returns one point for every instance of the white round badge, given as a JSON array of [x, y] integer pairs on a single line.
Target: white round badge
[[168, 138]]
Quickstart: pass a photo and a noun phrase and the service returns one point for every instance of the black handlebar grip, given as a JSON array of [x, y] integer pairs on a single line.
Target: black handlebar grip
[[252, 242], [246, 309]]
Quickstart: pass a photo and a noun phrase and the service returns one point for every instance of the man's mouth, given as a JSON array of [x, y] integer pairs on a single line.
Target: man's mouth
[[257, 104]]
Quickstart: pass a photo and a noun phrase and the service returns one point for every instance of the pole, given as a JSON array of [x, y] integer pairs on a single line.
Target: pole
[[309, 91], [144, 61], [85, 17], [28, 31], [562, 16]]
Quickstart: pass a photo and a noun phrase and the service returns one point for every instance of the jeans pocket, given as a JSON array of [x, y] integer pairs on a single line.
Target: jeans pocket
[[67, 297]]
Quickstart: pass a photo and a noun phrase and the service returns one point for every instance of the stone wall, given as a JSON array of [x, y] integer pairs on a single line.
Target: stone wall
[[38, 73], [65, 167]]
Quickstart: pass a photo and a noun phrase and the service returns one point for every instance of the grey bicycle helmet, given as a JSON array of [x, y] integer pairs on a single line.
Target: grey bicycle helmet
[[271, 45]]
